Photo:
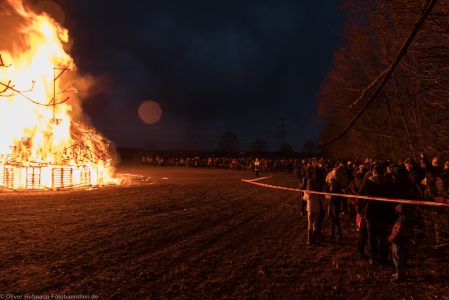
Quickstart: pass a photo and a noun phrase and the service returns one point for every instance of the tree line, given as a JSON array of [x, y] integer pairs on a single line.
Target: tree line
[[410, 114]]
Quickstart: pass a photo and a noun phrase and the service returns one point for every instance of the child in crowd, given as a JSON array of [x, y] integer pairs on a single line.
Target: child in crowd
[[400, 239]]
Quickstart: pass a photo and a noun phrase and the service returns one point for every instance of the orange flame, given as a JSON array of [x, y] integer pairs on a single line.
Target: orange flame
[[40, 111]]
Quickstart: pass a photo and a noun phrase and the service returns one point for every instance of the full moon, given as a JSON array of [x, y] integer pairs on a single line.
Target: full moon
[[150, 112]]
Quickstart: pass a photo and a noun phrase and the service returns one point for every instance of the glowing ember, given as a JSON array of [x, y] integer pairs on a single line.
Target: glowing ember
[[43, 142]]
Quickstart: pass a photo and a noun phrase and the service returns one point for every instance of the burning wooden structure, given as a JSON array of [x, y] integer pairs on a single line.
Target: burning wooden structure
[[44, 143]]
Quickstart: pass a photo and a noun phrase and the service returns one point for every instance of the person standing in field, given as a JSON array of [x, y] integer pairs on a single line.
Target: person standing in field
[[314, 208], [400, 240], [378, 215], [257, 167], [334, 203], [303, 185], [234, 164]]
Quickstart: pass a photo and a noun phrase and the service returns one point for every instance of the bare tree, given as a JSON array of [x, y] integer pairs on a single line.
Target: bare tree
[[405, 82]]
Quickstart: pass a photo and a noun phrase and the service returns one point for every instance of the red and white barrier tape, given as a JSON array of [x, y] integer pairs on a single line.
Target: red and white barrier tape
[[414, 202]]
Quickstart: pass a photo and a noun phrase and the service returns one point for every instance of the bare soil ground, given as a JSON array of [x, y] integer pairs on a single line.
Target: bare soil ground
[[188, 233]]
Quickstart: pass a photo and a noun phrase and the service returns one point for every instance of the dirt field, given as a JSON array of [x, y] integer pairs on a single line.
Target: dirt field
[[187, 233]]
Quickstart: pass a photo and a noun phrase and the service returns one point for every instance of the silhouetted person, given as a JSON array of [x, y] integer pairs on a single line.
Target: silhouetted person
[[377, 214]]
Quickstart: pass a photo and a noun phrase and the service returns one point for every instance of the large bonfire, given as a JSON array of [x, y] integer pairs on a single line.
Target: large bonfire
[[43, 140]]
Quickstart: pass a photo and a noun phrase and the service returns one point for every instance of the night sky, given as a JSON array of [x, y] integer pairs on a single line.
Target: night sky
[[211, 65]]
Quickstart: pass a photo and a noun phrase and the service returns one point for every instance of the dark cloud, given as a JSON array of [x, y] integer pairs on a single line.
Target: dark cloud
[[212, 66]]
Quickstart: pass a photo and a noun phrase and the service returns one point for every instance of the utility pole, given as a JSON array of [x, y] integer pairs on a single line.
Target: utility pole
[[281, 133]]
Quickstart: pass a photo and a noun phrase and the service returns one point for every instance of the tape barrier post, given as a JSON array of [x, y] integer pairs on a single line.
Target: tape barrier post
[[404, 201]]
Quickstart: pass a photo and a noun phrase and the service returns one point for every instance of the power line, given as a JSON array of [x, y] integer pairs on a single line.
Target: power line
[[281, 133]]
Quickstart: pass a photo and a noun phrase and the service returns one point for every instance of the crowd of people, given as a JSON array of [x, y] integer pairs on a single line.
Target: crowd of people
[[383, 227], [379, 223], [237, 163]]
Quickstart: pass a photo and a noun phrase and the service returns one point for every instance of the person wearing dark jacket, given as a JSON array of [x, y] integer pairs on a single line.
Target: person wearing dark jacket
[[432, 171], [378, 215], [415, 175], [302, 185]]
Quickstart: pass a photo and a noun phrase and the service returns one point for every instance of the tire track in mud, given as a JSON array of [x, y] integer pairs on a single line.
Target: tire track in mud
[[202, 240], [212, 258], [205, 235], [109, 251]]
